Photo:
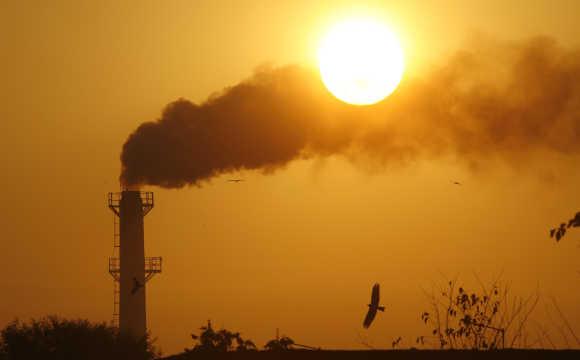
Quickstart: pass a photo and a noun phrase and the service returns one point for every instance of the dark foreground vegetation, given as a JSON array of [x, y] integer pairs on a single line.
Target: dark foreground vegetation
[[381, 355], [486, 323], [53, 338]]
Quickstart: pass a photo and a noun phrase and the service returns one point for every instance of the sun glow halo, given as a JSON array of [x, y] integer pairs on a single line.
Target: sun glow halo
[[360, 61]]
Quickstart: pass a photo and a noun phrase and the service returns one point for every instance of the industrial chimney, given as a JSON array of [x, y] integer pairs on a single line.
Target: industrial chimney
[[129, 266]]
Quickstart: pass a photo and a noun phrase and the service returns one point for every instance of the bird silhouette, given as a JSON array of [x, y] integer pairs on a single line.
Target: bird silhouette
[[235, 180], [456, 183], [373, 307], [136, 286]]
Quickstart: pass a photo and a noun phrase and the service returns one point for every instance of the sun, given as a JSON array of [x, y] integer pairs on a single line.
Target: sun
[[361, 61]]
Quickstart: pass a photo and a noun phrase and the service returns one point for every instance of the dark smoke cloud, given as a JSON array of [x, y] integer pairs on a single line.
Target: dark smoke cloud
[[501, 100]]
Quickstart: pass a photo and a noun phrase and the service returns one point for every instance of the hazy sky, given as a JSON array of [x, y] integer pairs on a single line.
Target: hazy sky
[[298, 249]]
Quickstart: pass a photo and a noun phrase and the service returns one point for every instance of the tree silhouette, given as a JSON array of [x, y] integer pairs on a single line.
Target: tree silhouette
[[55, 338], [219, 341], [279, 344], [560, 231]]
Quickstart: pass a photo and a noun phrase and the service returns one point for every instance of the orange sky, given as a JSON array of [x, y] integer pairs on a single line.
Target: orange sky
[[296, 250]]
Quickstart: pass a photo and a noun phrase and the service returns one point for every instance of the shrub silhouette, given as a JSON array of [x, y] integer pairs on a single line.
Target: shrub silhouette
[[55, 338], [219, 341], [485, 320], [279, 344]]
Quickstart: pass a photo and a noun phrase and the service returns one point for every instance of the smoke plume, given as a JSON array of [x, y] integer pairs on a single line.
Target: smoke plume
[[492, 100]]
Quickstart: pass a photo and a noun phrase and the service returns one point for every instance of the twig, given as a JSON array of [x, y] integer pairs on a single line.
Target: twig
[[364, 342], [565, 320]]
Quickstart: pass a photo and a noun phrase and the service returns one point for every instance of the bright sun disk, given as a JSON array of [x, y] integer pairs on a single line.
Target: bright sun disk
[[360, 61]]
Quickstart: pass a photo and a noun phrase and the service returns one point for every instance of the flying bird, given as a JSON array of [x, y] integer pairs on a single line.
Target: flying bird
[[456, 183], [136, 286], [373, 307], [235, 180]]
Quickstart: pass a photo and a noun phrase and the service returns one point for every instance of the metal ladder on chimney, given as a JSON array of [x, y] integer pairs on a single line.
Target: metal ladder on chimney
[[152, 264], [114, 270]]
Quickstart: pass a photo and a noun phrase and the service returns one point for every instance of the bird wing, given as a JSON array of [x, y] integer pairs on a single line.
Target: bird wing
[[370, 316], [375, 296], [136, 286]]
